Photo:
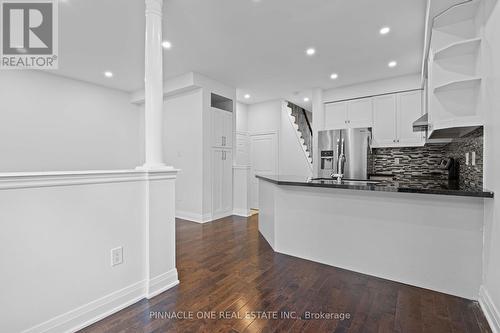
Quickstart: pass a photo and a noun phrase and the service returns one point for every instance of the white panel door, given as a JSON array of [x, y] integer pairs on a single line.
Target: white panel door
[[384, 121], [336, 115], [360, 113], [409, 110], [263, 161]]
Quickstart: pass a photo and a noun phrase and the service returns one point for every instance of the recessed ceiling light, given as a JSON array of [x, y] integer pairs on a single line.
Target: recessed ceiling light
[[166, 45], [392, 64], [108, 74], [306, 99], [247, 96], [310, 51], [334, 76], [385, 30]]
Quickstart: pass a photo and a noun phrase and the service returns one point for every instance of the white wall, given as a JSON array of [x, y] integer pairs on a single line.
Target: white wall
[[52, 123], [490, 293], [400, 83], [264, 117], [57, 234], [241, 117], [182, 147]]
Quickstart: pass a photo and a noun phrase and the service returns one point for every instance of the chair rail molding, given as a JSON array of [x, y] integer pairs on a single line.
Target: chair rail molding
[[19, 180]]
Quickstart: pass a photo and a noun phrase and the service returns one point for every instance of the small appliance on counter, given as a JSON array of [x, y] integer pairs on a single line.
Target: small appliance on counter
[[452, 166]]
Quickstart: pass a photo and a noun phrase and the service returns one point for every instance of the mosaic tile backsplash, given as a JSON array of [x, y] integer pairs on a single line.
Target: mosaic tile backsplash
[[424, 161]]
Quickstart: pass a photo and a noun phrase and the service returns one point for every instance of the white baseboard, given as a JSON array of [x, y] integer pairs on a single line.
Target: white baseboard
[[489, 309], [242, 212], [94, 311], [103, 307], [162, 282], [221, 215], [193, 217], [198, 218]]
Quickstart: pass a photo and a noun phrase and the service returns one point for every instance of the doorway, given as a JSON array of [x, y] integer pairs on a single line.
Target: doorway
[[263, 161]]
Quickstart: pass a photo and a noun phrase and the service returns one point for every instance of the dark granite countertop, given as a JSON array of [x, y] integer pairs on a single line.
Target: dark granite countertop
[[390, 184]]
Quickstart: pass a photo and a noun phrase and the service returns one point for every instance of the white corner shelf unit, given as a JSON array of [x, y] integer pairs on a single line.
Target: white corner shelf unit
[[468, 83], [469, 46], [454, 76]]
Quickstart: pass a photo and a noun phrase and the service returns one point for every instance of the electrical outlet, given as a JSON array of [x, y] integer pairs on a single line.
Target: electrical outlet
[[466, 158], [473, 158], [117, 256]]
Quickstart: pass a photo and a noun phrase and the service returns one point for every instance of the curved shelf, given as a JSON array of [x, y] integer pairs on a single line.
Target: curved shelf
[[459, 84], [468, 46], [460, 12]]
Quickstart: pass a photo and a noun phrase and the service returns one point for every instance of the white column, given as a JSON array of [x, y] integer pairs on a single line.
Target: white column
[[153, 80], [318, 110]]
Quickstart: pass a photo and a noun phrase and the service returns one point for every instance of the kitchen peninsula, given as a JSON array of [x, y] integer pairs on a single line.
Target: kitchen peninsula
[[428, 236]]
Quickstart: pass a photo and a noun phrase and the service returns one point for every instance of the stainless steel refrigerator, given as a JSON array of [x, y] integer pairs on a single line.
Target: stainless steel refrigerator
[[353, 144]]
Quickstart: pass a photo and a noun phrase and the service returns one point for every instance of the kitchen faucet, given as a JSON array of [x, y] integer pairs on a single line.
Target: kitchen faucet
[[340, 162]]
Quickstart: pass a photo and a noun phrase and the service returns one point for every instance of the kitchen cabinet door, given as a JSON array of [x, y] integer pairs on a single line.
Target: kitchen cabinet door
[[384, 121], [336, 115], [228, 129], [360, 113], [409, 110], [222, 183], [217, 176], [227, 182], [222, 128], [217, 127]]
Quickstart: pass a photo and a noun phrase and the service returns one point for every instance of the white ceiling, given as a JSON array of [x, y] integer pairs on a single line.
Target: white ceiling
[[257, 46]]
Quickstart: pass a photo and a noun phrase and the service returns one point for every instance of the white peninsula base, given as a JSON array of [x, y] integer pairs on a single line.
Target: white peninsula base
[[425, 240]]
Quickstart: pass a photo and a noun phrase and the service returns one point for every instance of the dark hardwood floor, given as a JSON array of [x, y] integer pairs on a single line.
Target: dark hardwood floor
[[227, 266]]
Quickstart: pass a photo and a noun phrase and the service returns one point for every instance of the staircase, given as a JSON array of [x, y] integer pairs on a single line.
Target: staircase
[[302, 125]]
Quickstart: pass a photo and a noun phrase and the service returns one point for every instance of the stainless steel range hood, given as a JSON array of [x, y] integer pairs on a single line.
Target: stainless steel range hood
[[441, 136], [421, 124]]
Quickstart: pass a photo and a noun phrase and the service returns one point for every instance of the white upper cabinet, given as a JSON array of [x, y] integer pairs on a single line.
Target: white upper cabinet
[[409, 109], [222, 128], [349, 114], [336, 115], [384, 121], [393, 117], [359, 113]]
